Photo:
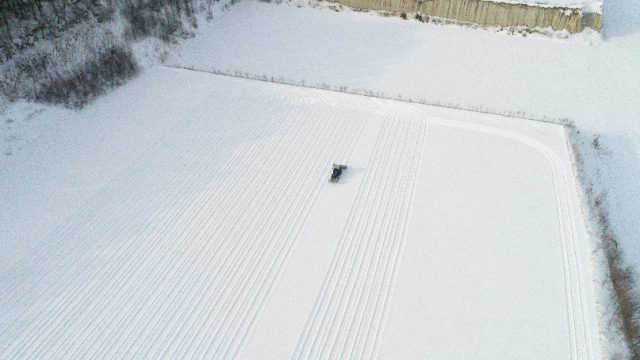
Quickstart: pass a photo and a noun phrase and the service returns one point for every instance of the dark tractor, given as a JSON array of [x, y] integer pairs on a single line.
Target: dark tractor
[[337, 171]]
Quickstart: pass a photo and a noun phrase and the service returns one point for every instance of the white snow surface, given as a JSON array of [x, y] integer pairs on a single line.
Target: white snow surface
[[114, 217], [200, 223], [588, 81]]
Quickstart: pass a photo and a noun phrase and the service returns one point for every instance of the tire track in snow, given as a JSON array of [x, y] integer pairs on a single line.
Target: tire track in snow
[[98, 212], [366, 280], [380, 152], [344, 159], [228, 214], [198, 256], [579, 325], [347, 317], [227, 269], [145, 230], [159, 192], [367, 245], [239, 289], [193, 232], [272, 268], [579, 328], [115, 188], [388, 277], [188, 261], [108, 324]]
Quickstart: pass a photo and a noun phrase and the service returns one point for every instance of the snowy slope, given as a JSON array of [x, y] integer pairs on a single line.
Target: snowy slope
[[593, 85], [450, 232]]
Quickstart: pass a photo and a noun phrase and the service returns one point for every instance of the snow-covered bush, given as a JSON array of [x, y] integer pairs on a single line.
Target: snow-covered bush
[[69, 69], [75, 88], [623, 287], [25, 23], [159, 18]]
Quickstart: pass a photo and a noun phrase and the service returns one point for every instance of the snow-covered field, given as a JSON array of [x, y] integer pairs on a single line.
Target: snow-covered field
[[590, 82], [190, 215], [213, 231]]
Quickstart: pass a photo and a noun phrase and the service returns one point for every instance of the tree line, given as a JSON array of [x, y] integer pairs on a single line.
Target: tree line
[[25, 21]]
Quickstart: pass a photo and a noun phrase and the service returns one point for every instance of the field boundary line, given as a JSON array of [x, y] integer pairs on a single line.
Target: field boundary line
[[372, 94]]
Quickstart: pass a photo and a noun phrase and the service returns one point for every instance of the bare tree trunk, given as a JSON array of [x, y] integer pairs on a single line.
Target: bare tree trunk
[[40, 10], [6, 23], [55, 10]]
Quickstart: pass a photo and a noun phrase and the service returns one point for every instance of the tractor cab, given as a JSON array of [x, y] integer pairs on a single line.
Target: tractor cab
[[337, 171]]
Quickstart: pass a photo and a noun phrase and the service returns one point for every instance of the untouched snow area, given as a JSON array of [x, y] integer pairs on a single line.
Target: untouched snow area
[[199, 222], [594, 85]]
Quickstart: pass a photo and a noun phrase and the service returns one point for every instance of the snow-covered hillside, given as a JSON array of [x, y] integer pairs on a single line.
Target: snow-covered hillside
[[450, 232]]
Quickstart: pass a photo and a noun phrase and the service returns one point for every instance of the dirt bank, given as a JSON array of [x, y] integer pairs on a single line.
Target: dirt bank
[[487, 13]]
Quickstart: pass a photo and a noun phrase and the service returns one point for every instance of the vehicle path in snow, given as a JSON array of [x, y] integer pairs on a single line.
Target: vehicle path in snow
[[217, 251], [346, 319]]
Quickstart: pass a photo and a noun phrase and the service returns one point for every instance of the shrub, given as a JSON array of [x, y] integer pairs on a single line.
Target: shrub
[[25, 22], [158, 18], [622, 279], [76, 88], [624, 291], [71, 83]]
